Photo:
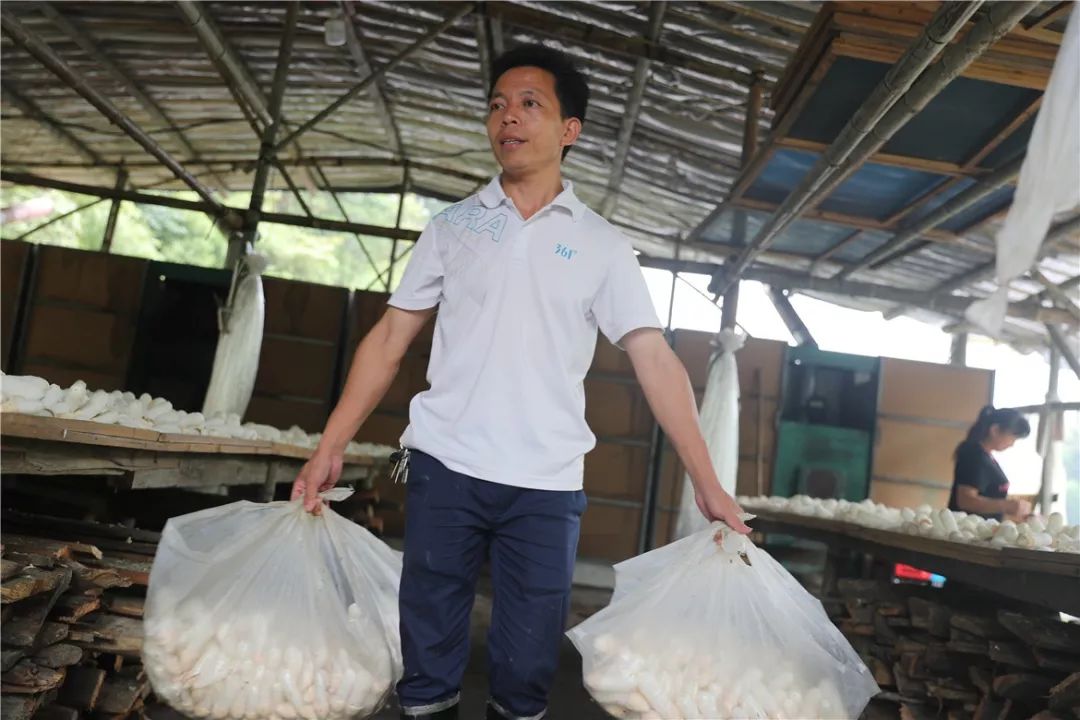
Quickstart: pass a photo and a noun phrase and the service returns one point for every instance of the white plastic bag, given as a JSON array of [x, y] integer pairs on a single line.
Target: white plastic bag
[[720, 427], [236, 359], [261, 610], [1049, 182], [712, 627]]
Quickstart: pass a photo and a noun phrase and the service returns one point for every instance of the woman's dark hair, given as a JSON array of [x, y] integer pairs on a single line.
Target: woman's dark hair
[[1007, 419], [571, 87]]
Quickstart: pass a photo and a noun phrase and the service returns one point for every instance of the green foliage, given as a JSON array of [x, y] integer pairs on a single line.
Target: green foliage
[[180, 236]]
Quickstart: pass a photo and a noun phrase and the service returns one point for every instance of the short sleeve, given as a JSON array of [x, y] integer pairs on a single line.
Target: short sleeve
[[623, 303], [969, 468], [421, 284]]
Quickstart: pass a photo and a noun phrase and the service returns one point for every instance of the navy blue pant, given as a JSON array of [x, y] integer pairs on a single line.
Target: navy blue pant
[[454, 522]]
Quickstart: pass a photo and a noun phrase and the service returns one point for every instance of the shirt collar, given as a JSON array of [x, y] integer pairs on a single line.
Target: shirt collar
[[493, 195]]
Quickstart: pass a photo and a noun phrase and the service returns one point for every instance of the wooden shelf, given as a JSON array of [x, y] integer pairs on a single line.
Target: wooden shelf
[[1044, 578]]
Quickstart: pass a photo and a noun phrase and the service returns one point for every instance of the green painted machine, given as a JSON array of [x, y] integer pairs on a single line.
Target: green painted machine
[[828, 409]]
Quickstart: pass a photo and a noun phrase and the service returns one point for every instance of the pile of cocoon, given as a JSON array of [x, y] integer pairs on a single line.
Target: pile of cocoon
[[711, 626], [661, 681], [36, 396], [247, 670], [1050, 533]]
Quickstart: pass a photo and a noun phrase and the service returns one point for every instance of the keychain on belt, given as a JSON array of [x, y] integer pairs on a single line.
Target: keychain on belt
[[400, 471]]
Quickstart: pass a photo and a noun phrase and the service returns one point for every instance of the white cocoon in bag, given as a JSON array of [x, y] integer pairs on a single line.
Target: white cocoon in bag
[[712, 626], [261, 610]]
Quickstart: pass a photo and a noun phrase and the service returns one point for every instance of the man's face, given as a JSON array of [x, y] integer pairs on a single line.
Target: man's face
[[525, 123]]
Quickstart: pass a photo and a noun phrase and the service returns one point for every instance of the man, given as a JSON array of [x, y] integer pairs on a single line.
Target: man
[[523, 274]]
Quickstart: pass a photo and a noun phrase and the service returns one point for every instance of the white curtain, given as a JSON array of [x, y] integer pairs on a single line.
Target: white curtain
[[236, 360], [720, 426], [1049, 180]]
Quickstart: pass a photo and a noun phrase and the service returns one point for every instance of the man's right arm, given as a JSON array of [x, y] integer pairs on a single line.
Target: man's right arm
[[373, 369]]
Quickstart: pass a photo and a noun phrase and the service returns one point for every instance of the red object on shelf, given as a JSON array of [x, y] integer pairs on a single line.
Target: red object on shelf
[[907, 572]]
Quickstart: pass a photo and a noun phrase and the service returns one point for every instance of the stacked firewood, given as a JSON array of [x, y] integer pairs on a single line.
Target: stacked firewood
[[951, 654], [72, 599]]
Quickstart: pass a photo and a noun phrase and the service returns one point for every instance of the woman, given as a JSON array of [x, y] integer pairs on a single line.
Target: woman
[[979, 485]]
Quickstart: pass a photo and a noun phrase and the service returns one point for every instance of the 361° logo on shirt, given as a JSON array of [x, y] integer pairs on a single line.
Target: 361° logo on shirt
[[564, 251]]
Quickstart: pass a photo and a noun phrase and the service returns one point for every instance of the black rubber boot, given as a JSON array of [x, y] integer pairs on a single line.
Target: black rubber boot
[[450, 713]]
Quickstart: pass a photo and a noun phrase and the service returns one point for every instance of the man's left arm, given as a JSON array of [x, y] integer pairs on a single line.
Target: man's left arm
[[671, 397]]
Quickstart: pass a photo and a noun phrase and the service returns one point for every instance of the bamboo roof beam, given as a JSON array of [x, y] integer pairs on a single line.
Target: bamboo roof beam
[[906, 79], [461, 11], [34, 45], [33, 111], [978, 192], [377, 92], [790, 316], [985, 271], [233, 216], [633, 109], [89, 45], [1058, 295], [1068, 352]]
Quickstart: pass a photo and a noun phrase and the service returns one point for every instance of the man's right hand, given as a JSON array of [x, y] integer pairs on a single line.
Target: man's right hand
[[1017, 508], [320, 473]]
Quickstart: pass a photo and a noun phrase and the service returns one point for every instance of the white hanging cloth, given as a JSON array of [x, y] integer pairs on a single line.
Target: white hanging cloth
[[236, 360], [1049, 181], [720, 426]]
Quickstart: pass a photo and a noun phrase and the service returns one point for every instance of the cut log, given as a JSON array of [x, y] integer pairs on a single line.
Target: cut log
[[31, 523], [53, 711], [883, 632], [952, 690], [989, 708], [58, 655], [119, 695], [124, 605], [1012, 653], [52, 633], [981, 678], [109, 634], [135, 568], [9, 657], [1066, 694], [28, 677], [1042, 632], [71, 608], [1026, 687], [9, 568], [930, 616], [978, 625], [1054, 660], [906, 686], [97, 578], [24, 627], [943, 663], [58, 549], [83, 687], [19, 707], [32, 582], [915, 711], [882, 671]]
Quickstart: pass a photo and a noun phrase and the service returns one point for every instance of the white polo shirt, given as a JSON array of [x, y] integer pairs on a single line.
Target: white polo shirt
[[519, 305]]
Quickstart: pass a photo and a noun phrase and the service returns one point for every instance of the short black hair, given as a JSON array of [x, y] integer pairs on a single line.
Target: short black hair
[[571, 86]]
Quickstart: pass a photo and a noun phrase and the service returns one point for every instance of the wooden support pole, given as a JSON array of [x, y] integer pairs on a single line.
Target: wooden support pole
[[114, 212], [958, 351], [237, 244], [791, 318], [730, 309], [1047, 422], [1061, 343]]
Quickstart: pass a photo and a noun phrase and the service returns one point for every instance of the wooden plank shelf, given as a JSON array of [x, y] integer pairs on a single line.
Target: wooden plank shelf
[[140, 459], [1048, 579]]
